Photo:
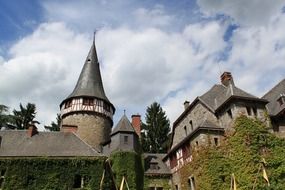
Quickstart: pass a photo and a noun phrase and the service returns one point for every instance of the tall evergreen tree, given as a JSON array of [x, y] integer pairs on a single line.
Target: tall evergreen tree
[[25, 116], [156, 130]]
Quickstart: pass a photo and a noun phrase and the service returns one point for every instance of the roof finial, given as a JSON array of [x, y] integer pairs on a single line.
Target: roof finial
[[124, 112]]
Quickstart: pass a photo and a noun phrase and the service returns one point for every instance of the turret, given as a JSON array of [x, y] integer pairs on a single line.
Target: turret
[[87, 109]]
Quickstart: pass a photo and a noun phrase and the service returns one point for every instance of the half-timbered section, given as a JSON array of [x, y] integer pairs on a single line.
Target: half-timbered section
[[87, 111]]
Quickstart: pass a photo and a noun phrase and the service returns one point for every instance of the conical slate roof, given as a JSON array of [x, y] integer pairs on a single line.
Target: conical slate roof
[[90, 83], [124, 125]]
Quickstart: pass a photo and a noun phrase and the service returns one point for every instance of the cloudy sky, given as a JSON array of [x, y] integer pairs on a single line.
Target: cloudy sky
[[151, 50]]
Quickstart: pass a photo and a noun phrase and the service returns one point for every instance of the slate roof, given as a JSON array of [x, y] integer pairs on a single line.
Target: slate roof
[[89, 83], [220, 94], [17, 143], [124, 125], [272, 95], [155, 158]]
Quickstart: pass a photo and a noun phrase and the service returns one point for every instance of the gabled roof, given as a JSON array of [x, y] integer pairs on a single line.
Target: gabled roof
[[123, 126], [89, 83], [273, 107], [17, 143], [162, 169], [219, 94]]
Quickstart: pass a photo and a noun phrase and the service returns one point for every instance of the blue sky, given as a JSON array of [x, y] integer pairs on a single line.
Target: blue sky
[[165, 51]]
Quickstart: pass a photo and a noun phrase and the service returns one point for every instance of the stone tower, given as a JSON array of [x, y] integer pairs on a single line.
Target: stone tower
[[87, 111]]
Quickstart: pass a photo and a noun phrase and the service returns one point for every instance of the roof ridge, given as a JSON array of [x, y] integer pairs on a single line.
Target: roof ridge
[[275, 86], [86, 143]]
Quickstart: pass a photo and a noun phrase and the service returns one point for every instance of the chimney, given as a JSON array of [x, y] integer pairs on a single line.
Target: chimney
[[186, 104], [32, 130], [226, 79], [136, 122]]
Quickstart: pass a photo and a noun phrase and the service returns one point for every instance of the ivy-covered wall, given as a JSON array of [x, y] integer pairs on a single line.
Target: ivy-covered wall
[[47, 173], [157, 181], [240, 154], [128, 164]]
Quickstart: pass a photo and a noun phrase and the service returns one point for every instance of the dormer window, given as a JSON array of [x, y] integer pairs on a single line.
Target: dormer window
[[153, 166], [88, 101], [281, 99]]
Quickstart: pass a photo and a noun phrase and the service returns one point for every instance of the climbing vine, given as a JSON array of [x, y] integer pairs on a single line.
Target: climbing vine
[[240, 153]]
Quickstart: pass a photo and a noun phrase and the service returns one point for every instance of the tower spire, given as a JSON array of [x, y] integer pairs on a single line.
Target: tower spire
[[89, 83]]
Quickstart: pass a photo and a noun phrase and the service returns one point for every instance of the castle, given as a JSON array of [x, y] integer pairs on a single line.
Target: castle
[[86, 134]]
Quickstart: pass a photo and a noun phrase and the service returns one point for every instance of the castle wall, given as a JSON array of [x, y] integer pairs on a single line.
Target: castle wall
[[238, 108], [91, 128], [197, 115]]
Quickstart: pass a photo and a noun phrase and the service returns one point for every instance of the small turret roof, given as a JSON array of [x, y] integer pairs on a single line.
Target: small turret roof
[[124, 125], [90, 83]]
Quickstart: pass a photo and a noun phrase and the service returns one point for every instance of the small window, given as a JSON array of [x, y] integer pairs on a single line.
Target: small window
[[153, 166], [176, 187], [197, 143], [216, 141], [78, 181], [88, 101], [68, 104], [191, 125], [254, 111], [191, 183], [126, 139], [106, 107], [230, 113], [248, 110], [280, 101], [159, 188], [185, 130]]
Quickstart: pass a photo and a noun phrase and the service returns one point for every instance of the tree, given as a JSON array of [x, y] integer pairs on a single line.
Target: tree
[[156, 130], [5, 117], [25, 116], [54, 126]]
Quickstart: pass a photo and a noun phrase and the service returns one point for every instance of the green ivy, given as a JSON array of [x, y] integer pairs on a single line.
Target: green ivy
[[47, 173], [128, 164], [241, 153]]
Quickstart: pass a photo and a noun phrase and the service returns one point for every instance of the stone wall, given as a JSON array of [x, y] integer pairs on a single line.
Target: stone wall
[[197, 115], [157, 181], [239, 108], [91, 128]]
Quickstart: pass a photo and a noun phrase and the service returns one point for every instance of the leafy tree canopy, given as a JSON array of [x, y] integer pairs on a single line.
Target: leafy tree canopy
[[5, 117], [54, 126], [156, 130], [25, 116]]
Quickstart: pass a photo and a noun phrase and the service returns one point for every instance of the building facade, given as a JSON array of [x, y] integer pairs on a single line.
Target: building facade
[[209, 117]]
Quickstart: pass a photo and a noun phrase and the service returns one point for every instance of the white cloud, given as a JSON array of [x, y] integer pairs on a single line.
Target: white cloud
[[42, 68], [244, 12], [257, 53], [153, 17]]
